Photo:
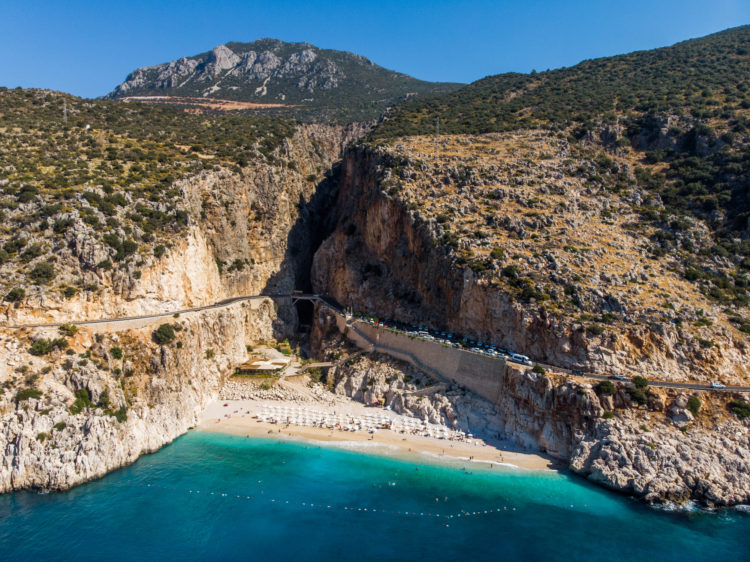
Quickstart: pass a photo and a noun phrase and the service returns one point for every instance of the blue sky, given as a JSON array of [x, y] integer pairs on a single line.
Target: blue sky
[[87, 47]]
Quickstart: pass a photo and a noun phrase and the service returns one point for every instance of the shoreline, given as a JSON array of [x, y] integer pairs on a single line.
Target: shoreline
[[382, 442]]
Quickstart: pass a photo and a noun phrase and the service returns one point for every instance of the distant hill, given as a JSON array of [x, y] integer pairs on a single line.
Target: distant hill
[[306, 81], [696, 77]]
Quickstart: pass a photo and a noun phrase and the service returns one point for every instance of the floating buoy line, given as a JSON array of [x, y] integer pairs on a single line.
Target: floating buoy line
[[260, 498]]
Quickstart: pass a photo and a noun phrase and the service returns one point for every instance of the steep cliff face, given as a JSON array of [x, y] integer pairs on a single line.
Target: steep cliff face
[[394, 254], [446, 251], [116, 396], [91, 400], [660, 453], [248, 231]]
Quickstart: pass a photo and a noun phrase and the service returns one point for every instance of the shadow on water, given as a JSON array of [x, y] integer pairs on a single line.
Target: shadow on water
[[317, 218]]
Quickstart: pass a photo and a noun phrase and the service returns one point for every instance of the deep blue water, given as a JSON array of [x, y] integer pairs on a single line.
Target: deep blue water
[[220, 497]]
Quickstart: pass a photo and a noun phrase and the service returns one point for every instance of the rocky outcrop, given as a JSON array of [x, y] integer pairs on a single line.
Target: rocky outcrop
[[248, 231], [660, 453], [390, 257], [296, 78], [132, 405], [660, 463]]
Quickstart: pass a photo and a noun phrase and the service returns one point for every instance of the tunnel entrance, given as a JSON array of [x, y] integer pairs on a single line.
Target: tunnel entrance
[[305, 311]]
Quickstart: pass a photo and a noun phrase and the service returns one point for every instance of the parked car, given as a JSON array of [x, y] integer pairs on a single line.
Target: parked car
[[619, 378], [717, 385], [522, 359]]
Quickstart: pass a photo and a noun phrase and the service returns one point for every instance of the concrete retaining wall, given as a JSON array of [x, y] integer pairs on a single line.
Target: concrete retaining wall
[[480, 374]]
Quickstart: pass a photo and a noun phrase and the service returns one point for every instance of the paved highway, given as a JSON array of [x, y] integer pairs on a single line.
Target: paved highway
[[663, 384], [122, 319], [333, 305]]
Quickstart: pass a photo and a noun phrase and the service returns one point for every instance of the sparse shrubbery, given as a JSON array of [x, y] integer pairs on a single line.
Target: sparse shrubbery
[[164, 334], [694, 405], [606, 388], [44, 346], [26, 393], [68, 330], [639, 381], [43, 273], [740, 408], [82, 402], [637, 395], [16, 294]]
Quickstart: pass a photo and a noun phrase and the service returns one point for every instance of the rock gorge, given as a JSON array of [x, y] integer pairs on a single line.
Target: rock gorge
[[262, 230]]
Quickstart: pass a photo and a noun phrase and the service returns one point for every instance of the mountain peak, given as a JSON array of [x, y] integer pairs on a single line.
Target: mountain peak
[[270, 71]]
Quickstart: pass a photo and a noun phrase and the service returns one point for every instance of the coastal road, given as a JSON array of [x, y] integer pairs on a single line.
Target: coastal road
[[663, 384], [122, 319], [327, 301]]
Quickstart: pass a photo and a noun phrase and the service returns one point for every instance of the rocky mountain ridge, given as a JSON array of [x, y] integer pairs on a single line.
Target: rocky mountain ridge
[[307, 79]]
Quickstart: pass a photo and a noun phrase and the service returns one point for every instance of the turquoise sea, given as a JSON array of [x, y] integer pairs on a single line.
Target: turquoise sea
[[221, 497]]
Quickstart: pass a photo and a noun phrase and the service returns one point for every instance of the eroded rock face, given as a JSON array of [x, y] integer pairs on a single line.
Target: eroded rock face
[[392, 257], [661, 463], [47, 443], [247, 232], [264, 64], [637, 451]]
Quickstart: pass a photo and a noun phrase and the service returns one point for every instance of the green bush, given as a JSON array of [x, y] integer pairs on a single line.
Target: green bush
[[59, 426], [121, 414], [637, 395], [694, 405], [316, 374], [539, 369], [41, 347], [44, 346], [740, 408], [26, 393], [116, 353], [42, 273], [82, 401], [68, 330], [639, 381], [16, 294], [497, 253], [606, 388], [608, 415], [32, 252], [41, 437], [164, 334]]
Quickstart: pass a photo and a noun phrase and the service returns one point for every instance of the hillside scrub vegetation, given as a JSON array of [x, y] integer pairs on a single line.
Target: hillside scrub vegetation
[[74, 171]]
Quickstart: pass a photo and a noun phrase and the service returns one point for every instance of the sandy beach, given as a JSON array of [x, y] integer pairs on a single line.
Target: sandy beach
[[237, 417]]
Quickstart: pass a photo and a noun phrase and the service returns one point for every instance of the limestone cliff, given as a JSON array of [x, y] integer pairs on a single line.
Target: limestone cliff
[[463, 247], [75, 404], [115, 395], [249, 230], [660, 453], [460, 251]]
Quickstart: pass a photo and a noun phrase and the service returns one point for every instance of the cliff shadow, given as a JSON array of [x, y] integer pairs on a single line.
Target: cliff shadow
[[317, 218]]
